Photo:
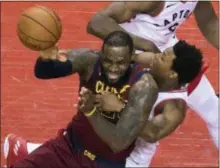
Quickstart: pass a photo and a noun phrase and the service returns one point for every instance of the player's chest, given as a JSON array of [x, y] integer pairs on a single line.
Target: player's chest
[[121, 92]]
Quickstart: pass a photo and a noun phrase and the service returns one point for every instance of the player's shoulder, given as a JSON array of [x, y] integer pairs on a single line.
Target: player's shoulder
[[145, 81], [83, 52], [140, 72], [83, 55]]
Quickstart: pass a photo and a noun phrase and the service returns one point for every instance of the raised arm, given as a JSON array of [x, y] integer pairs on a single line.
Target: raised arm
[[145, 58], [134, 116], [208, 22], [108, 20], [53, 63], [162, 125]]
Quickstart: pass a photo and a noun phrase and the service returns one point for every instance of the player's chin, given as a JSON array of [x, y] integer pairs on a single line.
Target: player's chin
[[113, 80]]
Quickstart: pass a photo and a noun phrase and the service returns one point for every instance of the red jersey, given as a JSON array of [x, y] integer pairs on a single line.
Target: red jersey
[[80, 124]]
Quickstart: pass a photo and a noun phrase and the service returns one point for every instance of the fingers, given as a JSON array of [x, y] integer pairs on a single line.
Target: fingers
[[81, 100], [84, 99], [81, 103], [85, 94], [81, 106], [83, 91]]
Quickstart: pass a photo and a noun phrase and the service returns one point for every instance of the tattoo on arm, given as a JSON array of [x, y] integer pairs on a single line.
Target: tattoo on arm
[[81, 59], [142, 96]]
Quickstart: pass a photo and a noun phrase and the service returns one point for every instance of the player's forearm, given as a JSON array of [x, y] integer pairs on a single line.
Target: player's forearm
[[107, 132], [54, 64], [211, 32], [119, 136], [134, 116], [101, 25], [208, 22]]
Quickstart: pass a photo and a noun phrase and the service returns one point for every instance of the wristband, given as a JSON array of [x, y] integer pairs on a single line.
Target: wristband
[[91, 112]]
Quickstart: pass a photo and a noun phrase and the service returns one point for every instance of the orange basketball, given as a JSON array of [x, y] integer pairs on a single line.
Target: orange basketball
[[39, 28]]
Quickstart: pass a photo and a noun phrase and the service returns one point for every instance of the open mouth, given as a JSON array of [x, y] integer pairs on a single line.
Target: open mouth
[[112, 76]]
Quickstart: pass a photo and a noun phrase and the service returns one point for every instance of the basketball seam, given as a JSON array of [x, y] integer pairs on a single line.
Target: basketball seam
[[58, 18], [54, 19], [32, 37], [40, 24]]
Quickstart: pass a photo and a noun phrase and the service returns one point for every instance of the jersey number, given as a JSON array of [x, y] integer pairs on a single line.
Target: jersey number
[[173, 27]]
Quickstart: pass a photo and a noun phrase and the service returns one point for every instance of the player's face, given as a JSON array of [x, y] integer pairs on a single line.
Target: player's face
[[115, 62], [163, 62]]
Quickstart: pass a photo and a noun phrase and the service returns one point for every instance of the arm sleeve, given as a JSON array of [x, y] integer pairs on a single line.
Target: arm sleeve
[[47, 69]]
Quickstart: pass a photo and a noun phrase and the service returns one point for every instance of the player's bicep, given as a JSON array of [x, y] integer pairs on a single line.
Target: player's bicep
[[144, 58], [165, 123], [118, 11], [124, 11], [174, 113], [204, 13], [143, 95]]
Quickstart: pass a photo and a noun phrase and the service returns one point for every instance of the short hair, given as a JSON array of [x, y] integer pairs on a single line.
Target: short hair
[[188, 62], [119, 39]]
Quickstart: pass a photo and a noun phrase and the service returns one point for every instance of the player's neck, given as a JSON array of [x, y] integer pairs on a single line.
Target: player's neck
[[166, 85]]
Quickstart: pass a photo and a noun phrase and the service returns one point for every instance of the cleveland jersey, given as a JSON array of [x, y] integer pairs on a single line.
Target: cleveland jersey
[[143, 152], [161, 29], [83, 129]]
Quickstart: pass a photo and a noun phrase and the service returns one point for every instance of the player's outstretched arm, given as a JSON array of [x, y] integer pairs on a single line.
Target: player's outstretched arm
[[208, 22], [134, 116], [54, 63], [108, 20], [162, 125]]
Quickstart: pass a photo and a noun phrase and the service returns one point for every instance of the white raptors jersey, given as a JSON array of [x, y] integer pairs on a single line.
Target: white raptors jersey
[[161, 29], [143, 152]]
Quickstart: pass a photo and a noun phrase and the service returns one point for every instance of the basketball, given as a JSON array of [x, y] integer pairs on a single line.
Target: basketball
[[39, 28]]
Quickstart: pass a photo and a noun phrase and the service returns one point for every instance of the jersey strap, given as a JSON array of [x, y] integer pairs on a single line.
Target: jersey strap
[[197, 79]]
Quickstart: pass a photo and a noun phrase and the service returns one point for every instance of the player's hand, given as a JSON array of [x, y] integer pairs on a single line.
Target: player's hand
[[108, 102], [86, 100], [54, 53], [50, 53]]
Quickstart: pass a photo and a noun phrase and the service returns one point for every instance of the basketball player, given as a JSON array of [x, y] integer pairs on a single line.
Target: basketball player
[[168, 76], [110, 69], [153, 25]]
